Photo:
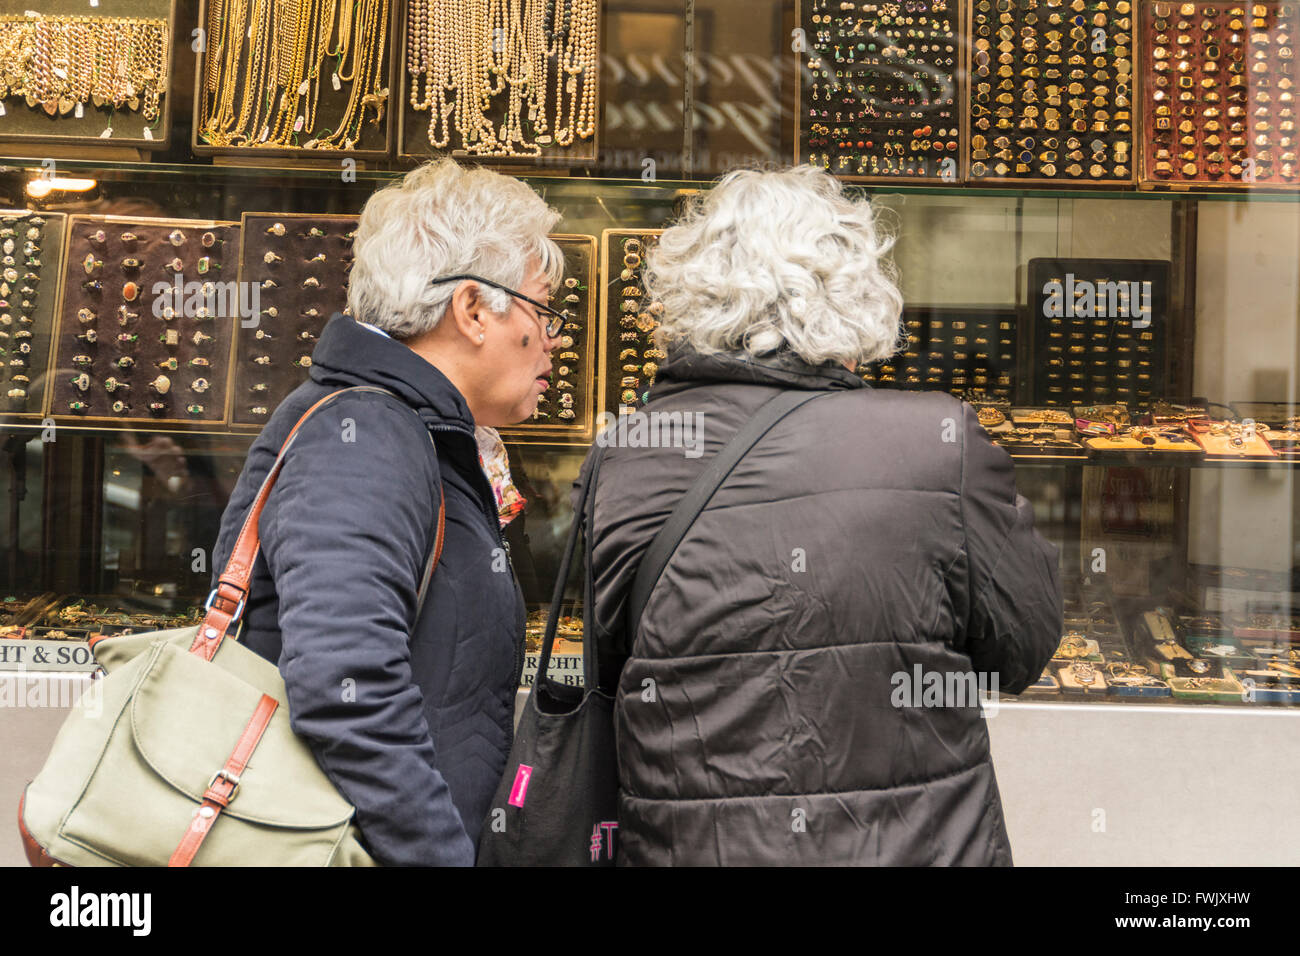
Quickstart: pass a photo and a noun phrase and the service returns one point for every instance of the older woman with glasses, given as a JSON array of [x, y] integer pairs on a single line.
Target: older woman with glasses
[[778, 702], [407, 707]]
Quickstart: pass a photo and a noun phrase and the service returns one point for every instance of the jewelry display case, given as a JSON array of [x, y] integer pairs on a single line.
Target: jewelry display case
[[1174, 500], [554, 121], [294, 79], [145, 330], [32, 253], [72, 73]]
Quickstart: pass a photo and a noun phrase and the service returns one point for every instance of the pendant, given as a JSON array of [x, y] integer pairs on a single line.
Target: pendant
[[65, 106]]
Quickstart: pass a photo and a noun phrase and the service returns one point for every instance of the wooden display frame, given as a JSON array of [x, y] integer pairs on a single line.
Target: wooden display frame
[[307, 157], [609, 325], [959, 77], [45, 316], [1063, 181], [95, 117], [132, 422], [583, 428], [554, 160], [1147, 180]]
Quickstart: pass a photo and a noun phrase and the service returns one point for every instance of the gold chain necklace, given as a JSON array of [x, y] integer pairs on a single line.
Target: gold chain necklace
[[58, 62]]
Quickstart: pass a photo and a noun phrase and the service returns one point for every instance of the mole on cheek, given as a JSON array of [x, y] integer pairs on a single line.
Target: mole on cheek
[[527, 339]]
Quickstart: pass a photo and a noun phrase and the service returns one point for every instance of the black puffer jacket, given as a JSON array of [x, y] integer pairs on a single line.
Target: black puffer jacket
[[412, 721], [766, 714]]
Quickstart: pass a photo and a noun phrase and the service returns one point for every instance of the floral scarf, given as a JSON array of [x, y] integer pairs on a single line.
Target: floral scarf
[[495, 462]]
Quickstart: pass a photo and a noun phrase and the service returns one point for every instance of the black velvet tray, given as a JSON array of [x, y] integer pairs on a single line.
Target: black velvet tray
[[160, 342], [574, 391], [953, 350], [29, 292], [629, 358], [284, 339]]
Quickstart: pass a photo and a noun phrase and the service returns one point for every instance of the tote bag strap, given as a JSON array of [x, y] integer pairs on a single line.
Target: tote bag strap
[[225, 604], [697, 497], [581, 519]]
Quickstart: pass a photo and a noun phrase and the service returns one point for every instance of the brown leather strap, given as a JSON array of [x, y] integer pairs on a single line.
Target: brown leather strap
[[36, 854], [437, 549], [226, 604], [225, 783]]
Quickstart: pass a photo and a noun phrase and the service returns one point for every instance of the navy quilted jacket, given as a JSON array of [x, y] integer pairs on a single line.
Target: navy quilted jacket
[[412, 720]]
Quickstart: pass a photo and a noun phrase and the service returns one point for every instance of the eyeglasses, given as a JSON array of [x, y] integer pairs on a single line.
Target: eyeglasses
[[552, 327]]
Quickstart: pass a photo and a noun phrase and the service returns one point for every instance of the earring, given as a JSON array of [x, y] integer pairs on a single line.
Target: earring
[[480, 336]]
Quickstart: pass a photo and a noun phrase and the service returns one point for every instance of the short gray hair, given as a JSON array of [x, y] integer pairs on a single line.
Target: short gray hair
[[773, 259], [446, 219]]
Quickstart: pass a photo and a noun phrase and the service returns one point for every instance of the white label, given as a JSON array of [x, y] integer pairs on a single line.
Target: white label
[[80, 111], [298, 124], [148, 133], [107, 133], [94, 3], [2, 109], [338, 84], [302, 90], [266, 134]]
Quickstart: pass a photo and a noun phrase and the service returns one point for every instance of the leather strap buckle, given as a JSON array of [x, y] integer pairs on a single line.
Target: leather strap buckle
[[230, 777], [239, 609]]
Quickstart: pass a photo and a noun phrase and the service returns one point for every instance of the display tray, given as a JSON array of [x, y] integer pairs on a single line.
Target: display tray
[[330, 105], [881, 115], [573, 393], [298, 294], [31, 256], [629, 357], [1199, 57], [1100, 329], [1061, 118], [537, 130], [164, 357], [953, 350], [1126, 445], [77, 39]]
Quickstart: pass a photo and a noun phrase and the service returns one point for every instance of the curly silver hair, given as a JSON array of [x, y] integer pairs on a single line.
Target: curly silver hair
[[446, 219], [773, 259]]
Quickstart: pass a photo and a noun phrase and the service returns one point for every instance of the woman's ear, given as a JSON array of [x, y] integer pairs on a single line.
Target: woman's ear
[[468, 312]]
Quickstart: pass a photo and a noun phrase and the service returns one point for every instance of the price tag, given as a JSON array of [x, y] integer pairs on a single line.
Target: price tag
[[148, 133], [298, 124], [80, 111], [2, 109], [108, 131], [302, 89], [338, 84], [94, 3]]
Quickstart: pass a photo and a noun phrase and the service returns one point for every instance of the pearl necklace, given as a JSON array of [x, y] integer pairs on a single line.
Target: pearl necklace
[[484, 68]]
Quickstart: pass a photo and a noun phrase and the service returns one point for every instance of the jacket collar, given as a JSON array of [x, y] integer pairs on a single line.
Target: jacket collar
[[348, 354], [685, 368]]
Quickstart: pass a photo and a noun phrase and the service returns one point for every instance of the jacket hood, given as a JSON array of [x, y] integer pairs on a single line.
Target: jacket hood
[[348, 354], [686, 368]]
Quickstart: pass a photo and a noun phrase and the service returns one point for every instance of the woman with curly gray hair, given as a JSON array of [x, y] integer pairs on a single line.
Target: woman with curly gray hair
[[802, 685]]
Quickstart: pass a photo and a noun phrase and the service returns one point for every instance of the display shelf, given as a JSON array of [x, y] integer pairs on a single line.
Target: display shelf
[[560, 186]]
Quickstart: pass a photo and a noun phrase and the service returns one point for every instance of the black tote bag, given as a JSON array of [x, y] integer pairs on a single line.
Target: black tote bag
[[557, 804]]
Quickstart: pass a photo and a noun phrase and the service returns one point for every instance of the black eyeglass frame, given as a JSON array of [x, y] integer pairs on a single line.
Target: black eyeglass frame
[[552, 328]]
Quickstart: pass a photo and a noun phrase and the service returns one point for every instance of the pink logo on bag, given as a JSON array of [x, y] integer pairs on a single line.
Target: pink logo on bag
[[520, 790]]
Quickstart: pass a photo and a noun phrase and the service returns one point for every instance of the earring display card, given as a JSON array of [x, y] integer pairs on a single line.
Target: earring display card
[[566, 410], [1050, 91], [146, 321], [878, 95], [629, 356], [31, 250], [553, 120], [1219, 94], [963, 351], [297, 266], [76, 72], [1101, 330], [295, 78]]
